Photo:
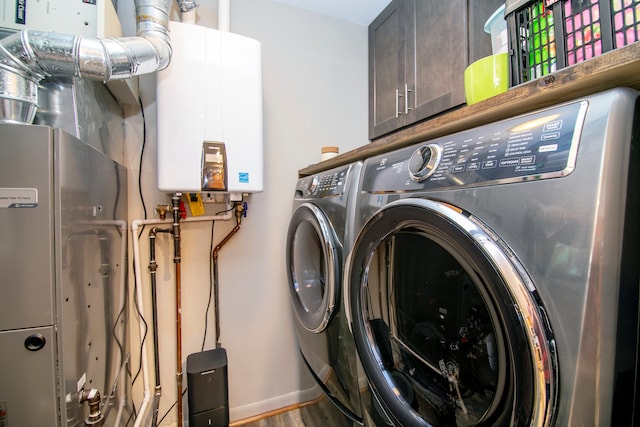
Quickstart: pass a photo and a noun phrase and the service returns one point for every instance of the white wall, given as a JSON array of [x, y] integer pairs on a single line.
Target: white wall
[[315, 94]]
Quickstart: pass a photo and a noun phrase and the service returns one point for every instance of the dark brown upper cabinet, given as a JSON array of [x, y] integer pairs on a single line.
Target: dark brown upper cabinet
[[418, 51]]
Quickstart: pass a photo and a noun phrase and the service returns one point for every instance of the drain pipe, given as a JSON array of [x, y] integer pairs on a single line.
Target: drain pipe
[[240, 211], [122, 228], [29, 56]]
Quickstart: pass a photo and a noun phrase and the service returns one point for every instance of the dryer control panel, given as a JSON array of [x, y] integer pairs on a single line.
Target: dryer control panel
[[531, 147], [324, 184]]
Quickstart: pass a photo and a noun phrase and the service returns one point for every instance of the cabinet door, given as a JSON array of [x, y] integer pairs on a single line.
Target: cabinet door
[[386, 71], [437, 56]]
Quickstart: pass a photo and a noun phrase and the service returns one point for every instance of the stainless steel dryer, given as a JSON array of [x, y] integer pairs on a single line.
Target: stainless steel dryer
[[494, 278], [319, 237]]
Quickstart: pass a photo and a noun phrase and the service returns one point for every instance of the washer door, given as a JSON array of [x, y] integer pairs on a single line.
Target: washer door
[[313, 254], [446, 322]]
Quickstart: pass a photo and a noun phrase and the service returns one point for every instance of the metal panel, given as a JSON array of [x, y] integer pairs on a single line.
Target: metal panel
[[27, 379], [91, 192], [26, 260]]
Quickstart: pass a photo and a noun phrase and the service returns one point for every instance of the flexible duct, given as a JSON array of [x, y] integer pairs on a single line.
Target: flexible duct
[[29, 56]]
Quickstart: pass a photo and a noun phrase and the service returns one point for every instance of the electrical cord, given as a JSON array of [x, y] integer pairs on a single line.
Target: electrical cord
[[206, 313], [144, 143], [226, 210], [144, 207], [171, 408]]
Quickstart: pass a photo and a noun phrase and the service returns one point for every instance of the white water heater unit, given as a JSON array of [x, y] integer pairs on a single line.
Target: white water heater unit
[[209, 104]]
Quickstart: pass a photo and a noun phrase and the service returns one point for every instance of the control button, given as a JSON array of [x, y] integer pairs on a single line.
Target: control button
[[549, 136], [489, 164], [458, 168], [551, 126], [527, 160], [424, 161], [548, 148], [505, 163]]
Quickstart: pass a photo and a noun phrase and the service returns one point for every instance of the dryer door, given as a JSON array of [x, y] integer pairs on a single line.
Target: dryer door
[[313, 267], [446, 322]]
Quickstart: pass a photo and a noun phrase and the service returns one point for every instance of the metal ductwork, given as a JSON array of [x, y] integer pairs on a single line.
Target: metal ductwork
[[187, 5], [29, 56]]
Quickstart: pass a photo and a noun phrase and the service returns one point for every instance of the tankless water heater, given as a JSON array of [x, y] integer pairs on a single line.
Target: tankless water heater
[[209, 105]]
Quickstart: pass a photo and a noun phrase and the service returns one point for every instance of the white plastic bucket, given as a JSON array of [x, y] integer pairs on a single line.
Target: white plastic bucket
[[497, 27]]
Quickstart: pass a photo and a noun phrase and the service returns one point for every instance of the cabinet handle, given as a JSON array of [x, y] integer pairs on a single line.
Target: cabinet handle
[[406, 99], [398, 96]]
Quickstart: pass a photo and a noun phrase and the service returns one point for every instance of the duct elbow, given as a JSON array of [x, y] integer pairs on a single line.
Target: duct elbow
[[153, 26]]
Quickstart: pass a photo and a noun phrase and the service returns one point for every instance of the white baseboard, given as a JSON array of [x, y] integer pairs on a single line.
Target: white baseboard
[[273, 404], [265, 406]]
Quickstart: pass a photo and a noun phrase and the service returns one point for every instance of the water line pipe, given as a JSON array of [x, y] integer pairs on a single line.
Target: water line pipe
[[240, 210], [153, 267], [177, 261], [92, 397], [135, 224]]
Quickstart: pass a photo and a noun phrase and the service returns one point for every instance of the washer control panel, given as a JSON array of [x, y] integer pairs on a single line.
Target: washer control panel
[[531, 147], [324, 184]]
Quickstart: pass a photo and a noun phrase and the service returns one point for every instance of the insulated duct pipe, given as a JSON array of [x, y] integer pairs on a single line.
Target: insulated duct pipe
[[29, 56]]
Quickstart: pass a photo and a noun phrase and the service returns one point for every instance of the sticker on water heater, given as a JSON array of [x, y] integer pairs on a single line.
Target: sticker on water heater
[[18, 198], [243, 177]]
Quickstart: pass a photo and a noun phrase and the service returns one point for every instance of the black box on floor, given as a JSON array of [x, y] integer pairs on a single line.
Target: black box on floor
[[208, 389]]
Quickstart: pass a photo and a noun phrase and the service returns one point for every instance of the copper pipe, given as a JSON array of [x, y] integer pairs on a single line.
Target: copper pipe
[[239, 211]]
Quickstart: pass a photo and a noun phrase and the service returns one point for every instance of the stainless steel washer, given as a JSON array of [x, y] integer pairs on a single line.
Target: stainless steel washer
[[494, 279], [319, 237]]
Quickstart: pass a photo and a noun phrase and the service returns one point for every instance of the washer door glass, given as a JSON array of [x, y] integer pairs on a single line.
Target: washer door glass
[[313, 267], [447, 329]]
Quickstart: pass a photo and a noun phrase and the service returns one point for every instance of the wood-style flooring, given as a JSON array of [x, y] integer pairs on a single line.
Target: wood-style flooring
[[319, 414]]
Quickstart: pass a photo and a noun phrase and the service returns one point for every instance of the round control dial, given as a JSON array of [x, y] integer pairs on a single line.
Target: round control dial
[[314, 184], [424, 161]]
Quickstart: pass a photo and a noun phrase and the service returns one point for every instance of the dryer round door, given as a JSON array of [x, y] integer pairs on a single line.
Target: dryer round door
[[313, 267], [446, 321]]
